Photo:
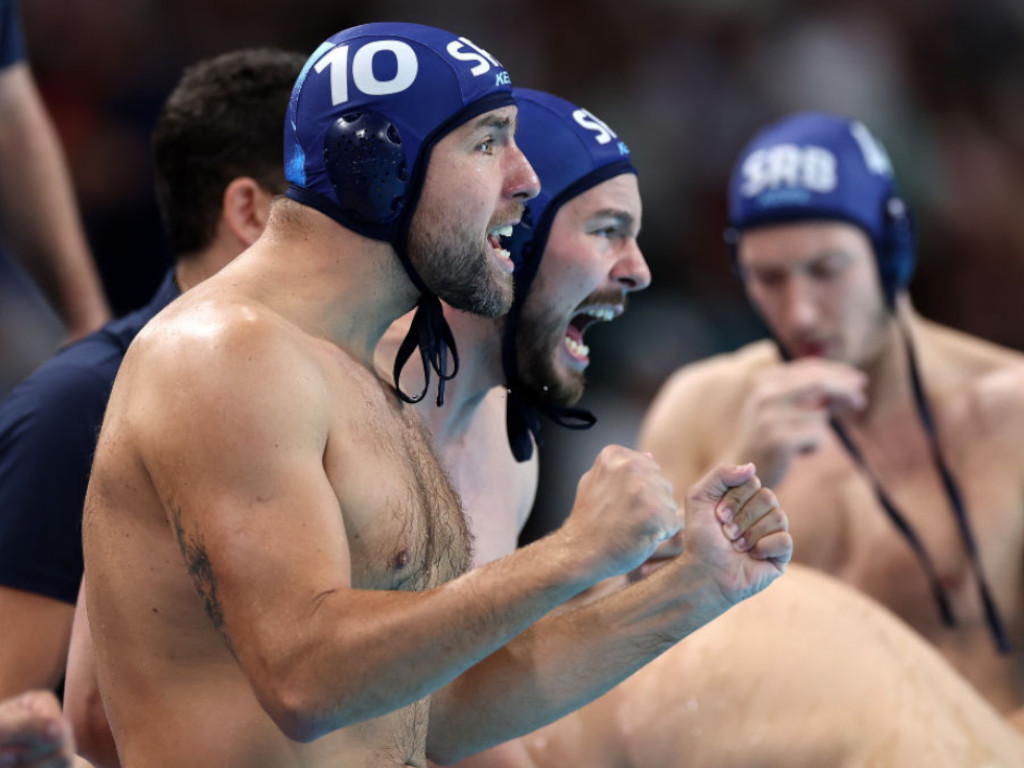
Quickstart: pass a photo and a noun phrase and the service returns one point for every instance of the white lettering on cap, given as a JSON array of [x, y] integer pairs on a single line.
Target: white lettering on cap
[[875, 156], [811, 168], [586, 119]]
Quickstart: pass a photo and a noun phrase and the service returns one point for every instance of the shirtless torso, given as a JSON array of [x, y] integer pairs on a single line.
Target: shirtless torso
[[160, 647], [975, 394]]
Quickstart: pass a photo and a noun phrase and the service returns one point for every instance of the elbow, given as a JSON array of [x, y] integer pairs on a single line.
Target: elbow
[[305, 712], [447, 751], [442, 757], [296, 715]]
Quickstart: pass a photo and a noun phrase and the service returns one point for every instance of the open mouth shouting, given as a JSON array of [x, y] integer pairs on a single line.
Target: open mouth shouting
[[494, 236], [584, 317]]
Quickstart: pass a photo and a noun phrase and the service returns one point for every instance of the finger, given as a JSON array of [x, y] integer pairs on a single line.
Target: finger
[[777, 547], [671, 547], [800, 432], [719, 480], [671, 521], [824, 395], [760, 517], [815, 384], [735, 498]]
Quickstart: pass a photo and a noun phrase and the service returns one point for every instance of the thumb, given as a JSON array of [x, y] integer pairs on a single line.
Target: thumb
[[716, 483]]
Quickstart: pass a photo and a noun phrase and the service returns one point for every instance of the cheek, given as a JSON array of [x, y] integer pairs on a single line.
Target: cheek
[[769, 305]]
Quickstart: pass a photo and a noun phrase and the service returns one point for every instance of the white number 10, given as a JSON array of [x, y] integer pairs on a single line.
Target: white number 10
[[362, 69]]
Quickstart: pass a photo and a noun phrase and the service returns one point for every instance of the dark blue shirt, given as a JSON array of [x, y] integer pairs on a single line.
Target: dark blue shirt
[[12, 41], [48, 429]]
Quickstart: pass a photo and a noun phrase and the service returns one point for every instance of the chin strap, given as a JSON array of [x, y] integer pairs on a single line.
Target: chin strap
[[956, 500], [430, 333], [523, 424]]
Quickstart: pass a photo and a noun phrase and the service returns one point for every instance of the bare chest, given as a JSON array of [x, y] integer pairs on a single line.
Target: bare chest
[[839, 525], [403, 518], [496, 491]]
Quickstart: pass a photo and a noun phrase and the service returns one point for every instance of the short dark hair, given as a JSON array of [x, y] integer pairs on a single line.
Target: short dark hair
[[224, 119]]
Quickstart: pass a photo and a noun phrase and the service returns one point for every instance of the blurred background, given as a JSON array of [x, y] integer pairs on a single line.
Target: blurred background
[[685, 84]]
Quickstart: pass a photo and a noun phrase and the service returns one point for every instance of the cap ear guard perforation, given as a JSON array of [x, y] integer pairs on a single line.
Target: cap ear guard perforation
[[366, 166]]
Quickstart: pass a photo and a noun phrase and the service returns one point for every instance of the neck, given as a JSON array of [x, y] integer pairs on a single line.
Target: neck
[[330, 281], [193, 268], [889, 388], [479, 343]]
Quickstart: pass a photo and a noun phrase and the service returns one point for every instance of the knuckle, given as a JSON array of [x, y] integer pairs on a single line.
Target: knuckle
[[780, 518]]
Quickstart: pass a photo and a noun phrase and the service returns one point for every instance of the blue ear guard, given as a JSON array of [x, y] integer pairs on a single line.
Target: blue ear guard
[[816, 166], [366, 166]]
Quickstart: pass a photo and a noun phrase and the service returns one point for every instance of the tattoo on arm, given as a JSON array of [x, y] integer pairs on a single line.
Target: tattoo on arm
[[200, 569]]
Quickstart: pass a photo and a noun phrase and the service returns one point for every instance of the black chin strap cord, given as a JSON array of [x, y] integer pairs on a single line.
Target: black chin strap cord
[[430, 333], [956, 500]]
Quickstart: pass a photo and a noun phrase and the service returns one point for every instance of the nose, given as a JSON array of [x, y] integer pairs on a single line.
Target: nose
[[521, 180], [801, 308], [630, 271]]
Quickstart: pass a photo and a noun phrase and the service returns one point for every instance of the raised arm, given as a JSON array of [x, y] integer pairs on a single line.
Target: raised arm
[[748, 407], [38, 215], [570, 658], [233, 427]]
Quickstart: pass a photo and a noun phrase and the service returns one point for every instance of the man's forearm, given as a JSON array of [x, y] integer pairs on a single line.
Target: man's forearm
[[370, 652], [568, 659], [40, 216]]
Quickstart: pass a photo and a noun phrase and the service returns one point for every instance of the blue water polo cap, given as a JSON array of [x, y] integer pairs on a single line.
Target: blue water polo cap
[[368, 107], [571, 151], [365, 113], [817, 166]]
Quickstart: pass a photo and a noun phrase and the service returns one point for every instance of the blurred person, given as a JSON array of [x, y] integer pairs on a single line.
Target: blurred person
[[908, 431], [217, 148], [39, 221], [275, 561]]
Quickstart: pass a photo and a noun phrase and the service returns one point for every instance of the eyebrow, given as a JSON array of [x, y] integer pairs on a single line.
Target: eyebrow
[[500, 122], [622, 218], [817, 257]]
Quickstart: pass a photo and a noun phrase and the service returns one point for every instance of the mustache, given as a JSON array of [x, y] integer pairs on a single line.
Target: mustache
[[514, 212], [605, 296]]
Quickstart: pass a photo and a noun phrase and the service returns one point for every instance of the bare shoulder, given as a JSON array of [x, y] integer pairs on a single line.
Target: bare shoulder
[[996, 401], [702, 391], [215, 362], [981, 384], [986, 378], [688, 425]]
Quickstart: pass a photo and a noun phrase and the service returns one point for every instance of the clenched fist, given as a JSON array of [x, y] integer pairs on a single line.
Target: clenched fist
[[736, 530], [34, 733], [788, 412], [624, 508]]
